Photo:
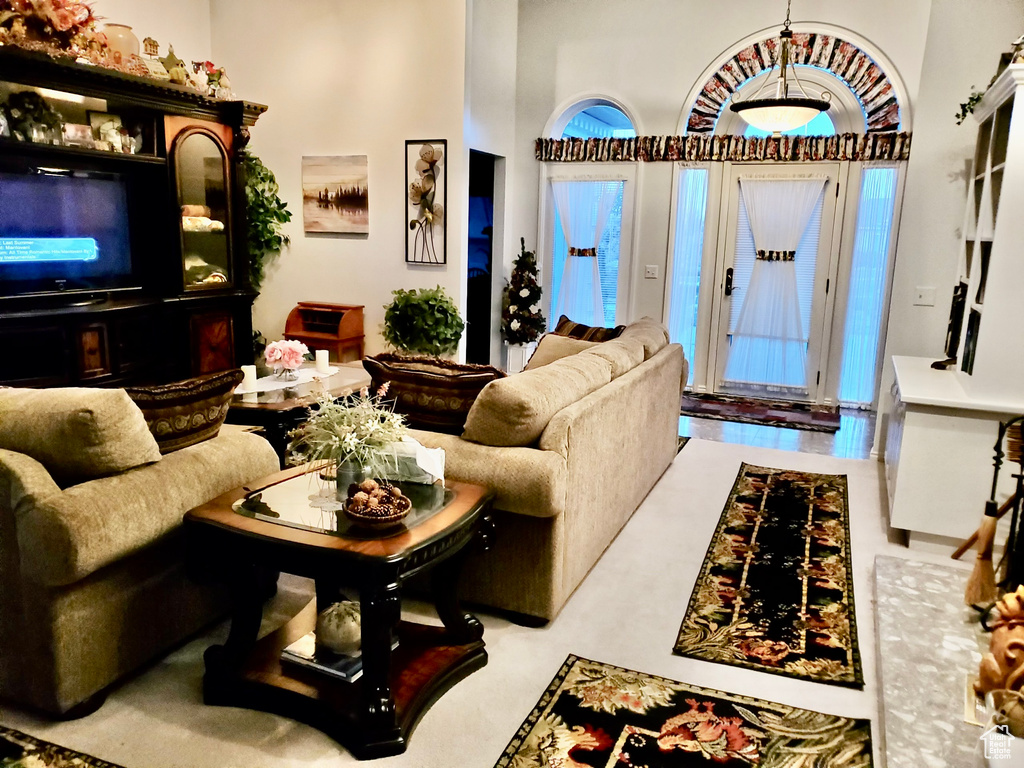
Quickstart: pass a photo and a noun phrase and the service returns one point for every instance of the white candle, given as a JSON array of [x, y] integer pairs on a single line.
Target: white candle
[[249, 382], [323, 361]]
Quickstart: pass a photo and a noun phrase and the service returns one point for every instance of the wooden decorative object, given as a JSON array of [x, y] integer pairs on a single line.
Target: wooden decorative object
[[1003, 666], [334, 327]]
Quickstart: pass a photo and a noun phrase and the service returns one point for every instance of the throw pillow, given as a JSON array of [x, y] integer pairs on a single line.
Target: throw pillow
[[77, 433], [187, 412], [649, 332], [554, 347], [432, 393], [566, 327], [515, 410]]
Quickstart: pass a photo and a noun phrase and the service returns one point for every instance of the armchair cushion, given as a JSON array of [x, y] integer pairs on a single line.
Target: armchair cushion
[[515, 410], [65, 537], [184, 413], [76, 433], [623, 354], [553, 347], [649, 332]]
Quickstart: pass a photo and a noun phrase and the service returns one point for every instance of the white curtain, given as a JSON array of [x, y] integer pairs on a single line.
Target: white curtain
[[768, 347], [868, 272], [688, 253], [583, 208]]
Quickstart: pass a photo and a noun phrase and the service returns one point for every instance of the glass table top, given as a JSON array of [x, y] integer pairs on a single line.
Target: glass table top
[[311, 503]]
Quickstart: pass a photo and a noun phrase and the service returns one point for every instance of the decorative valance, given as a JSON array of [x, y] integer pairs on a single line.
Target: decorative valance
[[698, 148]]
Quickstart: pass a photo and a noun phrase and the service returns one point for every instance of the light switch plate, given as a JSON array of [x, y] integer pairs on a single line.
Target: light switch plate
[[650, 272], [924, 296]]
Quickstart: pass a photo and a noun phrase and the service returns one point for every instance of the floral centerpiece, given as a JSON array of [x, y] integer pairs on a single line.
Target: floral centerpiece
[[352, 435], [286, 357]]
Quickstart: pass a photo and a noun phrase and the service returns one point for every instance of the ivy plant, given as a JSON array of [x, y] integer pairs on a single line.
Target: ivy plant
[[266, 214], [424, 321]]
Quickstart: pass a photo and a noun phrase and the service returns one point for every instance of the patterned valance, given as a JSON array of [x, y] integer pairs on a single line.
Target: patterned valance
[[764, 255], [846, 146]]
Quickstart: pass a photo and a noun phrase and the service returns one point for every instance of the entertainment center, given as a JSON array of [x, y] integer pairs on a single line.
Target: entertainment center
[[121, 262]]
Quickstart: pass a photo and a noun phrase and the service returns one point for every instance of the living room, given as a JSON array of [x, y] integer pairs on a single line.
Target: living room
[[493, 76]]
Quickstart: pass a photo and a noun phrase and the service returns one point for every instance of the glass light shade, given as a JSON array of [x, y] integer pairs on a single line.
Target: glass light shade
[[783, 115]]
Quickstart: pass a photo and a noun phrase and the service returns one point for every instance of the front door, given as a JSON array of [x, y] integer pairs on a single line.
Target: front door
[[773, 308]]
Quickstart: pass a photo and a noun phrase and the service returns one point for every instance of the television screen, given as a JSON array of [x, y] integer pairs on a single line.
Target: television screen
[[63, 230]]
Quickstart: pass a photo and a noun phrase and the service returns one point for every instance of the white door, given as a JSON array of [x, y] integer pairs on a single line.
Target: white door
[[755, 358]]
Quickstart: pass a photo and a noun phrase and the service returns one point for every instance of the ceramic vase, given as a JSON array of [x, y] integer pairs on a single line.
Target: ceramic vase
[[348, 472], [121, 41], [339, 627]]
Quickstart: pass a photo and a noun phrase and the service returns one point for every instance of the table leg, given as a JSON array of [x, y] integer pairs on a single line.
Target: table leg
[[250, 587], [380, 608], [462, 626]]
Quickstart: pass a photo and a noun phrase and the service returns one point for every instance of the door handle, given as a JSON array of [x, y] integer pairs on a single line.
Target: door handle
[[728, 282]]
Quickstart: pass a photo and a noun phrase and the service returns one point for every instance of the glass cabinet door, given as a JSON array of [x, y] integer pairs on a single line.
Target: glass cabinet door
[[201, 166]]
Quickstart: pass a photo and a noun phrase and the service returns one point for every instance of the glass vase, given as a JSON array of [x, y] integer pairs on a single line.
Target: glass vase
[[286, 374], [348, 472]]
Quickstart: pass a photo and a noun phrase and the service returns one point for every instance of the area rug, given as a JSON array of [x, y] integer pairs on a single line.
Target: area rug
[[594, 714], [775, 592], [682, 443], [770, 413], [19, 750]]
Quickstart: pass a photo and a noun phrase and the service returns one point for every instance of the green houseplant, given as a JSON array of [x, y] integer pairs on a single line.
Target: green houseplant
[[424, 321], [266, 214]]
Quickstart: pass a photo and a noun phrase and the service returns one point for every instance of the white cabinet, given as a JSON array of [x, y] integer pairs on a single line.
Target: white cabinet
[[938, 454]]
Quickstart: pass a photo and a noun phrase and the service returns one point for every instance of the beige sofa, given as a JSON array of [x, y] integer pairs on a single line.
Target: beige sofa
[[571, 448], [92, 581]]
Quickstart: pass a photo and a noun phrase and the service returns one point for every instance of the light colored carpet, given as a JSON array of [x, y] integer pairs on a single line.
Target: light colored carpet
[[626, 613]]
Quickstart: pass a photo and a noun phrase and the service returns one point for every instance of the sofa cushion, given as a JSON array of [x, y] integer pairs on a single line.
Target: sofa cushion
[[515, 410], [623, 354], [553, 347], [76, 433], [187, 412], [649, 332], [66, 537], [566, 327], [430, 392]]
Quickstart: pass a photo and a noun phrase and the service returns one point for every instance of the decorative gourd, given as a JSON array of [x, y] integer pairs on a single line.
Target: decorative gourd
[[339, 627]]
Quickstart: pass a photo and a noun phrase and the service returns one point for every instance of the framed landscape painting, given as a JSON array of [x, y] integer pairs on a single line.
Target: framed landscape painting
[[335, 197], [426, 199]]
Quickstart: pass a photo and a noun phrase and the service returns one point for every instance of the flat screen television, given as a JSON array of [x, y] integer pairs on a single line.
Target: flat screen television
[[63, 230]]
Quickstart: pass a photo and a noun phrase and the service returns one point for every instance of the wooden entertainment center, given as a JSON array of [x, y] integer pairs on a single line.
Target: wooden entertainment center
[[183, 306]]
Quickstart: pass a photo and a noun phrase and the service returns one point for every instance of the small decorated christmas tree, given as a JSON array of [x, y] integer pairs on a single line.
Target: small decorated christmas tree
[[521, 318]]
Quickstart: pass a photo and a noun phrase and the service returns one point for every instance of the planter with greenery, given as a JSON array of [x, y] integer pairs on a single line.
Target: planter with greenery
[[424, 321]]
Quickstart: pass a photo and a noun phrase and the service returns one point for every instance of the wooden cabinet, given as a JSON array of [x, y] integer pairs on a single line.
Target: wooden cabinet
[[183, 305], [334, 327]]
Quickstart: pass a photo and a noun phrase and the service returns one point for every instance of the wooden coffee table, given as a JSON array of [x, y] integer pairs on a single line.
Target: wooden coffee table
[[237, 539]]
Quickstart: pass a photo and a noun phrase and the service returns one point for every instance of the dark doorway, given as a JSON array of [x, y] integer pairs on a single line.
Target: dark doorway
[[481, 248]]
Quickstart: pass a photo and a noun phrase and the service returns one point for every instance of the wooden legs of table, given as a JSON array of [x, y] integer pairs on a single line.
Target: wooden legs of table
[[250, 588], [380, 609], [462, 626]]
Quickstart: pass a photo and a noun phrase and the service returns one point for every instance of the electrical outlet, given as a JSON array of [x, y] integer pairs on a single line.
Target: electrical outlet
[[924, 296], [651, 272]]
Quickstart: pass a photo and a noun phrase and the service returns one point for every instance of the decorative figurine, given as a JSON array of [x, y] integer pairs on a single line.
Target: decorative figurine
[[151, 47], [1003, 666], [175, 67]]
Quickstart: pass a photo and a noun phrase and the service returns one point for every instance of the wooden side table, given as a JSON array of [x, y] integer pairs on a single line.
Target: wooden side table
[[237, 538]]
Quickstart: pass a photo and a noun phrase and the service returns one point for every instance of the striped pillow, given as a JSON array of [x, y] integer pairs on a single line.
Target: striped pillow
[[567, 327]]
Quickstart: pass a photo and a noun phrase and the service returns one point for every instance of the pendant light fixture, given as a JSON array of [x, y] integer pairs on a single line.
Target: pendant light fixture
[[790, 107]]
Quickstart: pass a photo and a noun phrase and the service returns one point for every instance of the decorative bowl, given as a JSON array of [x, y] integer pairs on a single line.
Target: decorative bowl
[[376, 504]]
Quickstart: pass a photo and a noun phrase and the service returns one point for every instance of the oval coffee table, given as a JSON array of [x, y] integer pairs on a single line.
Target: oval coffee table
[[246, 537]]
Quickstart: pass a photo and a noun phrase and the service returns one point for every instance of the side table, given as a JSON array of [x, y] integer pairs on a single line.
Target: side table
[[247, 536]]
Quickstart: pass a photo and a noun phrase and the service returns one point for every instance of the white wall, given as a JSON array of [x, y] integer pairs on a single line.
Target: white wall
[[347, 77], [490, 127], [648, 54], [961, 55], [185, 24]]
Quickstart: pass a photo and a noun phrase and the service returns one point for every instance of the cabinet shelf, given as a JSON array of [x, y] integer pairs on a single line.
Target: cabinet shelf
[[51, 151]]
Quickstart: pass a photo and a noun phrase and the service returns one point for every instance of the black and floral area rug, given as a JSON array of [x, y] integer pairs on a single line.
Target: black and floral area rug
[[594, 714], [775, 592], [19, 750]]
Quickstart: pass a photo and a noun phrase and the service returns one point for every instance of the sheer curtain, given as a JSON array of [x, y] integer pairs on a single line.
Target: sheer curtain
[[768, 348], [868, 273], [583, 208], [688, 247]]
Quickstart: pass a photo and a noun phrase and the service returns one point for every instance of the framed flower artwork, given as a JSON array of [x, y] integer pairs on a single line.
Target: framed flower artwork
[[426, 193]]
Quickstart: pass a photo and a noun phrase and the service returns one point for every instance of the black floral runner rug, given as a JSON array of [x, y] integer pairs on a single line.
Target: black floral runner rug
[[775, 592], [768, 413], [594, 714], [19, 750]]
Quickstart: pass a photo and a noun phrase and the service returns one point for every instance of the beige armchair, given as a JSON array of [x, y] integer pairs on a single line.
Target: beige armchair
[[92, 580]]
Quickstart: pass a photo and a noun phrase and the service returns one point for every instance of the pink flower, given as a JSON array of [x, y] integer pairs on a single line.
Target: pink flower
[[286, 354]]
